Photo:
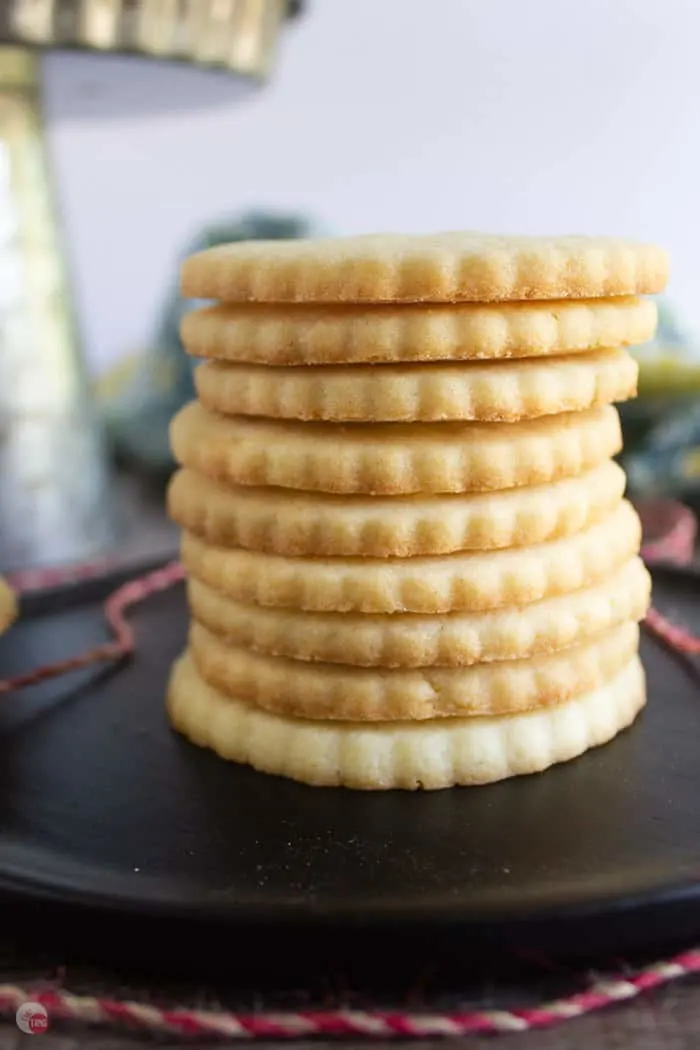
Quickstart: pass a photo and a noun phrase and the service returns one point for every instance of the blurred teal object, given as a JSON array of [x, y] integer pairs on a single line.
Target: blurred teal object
[[159, 382], [669, 378], [662, 426], [667, 463], [669, 331]]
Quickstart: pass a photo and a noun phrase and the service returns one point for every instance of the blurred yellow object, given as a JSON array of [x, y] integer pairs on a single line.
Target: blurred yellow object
[[112, 382], [691, 463], [8, 605], [669, 374]]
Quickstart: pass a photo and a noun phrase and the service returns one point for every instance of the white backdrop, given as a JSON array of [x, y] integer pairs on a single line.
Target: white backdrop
[[507, 115]]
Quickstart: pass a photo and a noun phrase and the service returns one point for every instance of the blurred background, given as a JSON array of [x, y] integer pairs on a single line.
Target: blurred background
[[540, 117]]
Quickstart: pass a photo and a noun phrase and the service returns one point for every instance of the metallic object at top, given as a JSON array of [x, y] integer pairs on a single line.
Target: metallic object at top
[[57, 491], [239, 36]]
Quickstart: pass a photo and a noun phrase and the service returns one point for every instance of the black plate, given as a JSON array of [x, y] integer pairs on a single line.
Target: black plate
[[103, 807]]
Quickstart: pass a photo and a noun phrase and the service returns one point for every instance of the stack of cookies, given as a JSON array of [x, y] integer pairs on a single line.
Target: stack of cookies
[[410, 560]]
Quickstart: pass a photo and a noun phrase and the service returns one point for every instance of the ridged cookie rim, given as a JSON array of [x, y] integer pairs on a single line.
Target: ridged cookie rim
[[299, 335], [455, 266], [473, 581], [336, 692], [297, 524], [482, 392], [422, 640], [393, 458], [408, 756]]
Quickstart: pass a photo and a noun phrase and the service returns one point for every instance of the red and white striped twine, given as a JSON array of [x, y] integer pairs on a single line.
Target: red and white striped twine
[[188, 1024], [26, 580], [374, 1024], [122, 644]]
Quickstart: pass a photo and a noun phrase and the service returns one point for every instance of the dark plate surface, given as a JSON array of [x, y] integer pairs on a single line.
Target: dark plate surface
[[102, 806]]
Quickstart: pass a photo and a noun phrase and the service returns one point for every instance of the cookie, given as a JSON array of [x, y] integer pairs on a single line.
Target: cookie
[[8, 606], [409, 755], [360, 694], [469, 581], [464, 266], [393, 458], [412, 640], [494, 391], [336, 335], [299, 523]]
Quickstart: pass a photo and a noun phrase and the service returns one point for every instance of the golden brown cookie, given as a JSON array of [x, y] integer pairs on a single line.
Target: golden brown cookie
[[334, 335], [283, 521], [393, 458], [360, 694], [458, 266], [494, 391], [413, 640], [407, 755], [467, 581]]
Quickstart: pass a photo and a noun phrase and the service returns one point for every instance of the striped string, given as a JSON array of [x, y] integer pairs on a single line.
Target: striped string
[[123, 642], [187, 1024]]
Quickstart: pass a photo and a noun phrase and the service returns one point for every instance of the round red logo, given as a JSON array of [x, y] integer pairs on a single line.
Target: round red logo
[[32, 1018]]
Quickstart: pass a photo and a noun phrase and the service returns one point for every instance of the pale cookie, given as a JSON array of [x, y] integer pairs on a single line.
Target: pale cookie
[[464, 266], [393, 458], [8, 606], [494, 391], [409, 755], [360, 694], [336, 335], [411, 640], [298, 523], [472, 582]]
